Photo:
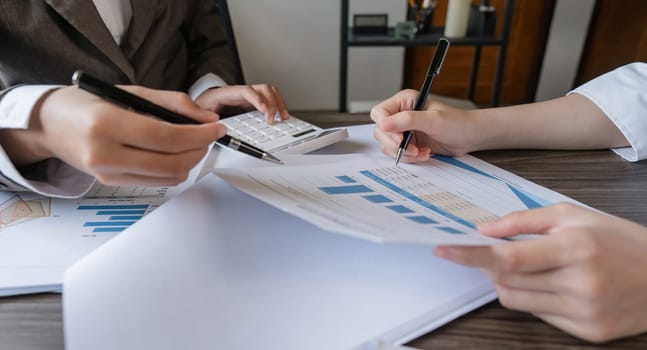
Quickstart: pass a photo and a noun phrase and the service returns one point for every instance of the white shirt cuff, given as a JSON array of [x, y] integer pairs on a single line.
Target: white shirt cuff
[[622, 96], [63, 180], [17, 104], [206, 82]]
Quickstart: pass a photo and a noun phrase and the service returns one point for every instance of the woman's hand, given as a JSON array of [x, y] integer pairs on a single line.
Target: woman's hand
[[262, 97], [115, 145], [586, 276], [438, 128]]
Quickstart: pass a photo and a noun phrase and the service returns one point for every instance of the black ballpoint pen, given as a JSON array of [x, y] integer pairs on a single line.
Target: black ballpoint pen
[[138, 104], [432, 71]]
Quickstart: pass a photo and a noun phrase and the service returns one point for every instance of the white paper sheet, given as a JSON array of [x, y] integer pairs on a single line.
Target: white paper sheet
[[436, 202], [231, 272], [218, 269]]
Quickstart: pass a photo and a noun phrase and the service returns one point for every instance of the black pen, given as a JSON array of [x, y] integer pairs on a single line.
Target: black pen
[[432, 71], [138, 104]]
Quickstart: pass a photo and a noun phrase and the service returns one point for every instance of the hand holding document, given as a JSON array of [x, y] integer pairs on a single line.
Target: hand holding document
[[437, 202]]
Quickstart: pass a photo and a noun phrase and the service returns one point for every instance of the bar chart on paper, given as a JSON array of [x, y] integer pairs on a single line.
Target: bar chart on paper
[[41, 236], [112, 217], [440, 201], [112, 209]]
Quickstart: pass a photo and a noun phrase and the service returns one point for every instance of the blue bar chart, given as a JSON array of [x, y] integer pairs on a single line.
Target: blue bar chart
[[456, 208], [350, 186], [112, 217], [441, 201]]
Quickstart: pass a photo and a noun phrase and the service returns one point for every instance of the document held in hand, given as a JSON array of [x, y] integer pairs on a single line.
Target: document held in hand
[[436, 202]]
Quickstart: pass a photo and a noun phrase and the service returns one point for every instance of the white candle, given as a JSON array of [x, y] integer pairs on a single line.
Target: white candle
[[458, 12]]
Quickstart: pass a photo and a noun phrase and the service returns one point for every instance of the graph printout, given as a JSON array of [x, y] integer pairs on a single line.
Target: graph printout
[[41, 236], [437, 202]]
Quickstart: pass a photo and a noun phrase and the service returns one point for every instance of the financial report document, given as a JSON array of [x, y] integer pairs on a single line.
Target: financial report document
[[41, 236], [435, 202]]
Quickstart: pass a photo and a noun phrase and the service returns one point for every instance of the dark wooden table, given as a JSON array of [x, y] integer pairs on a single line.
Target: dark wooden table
[[598, 178]]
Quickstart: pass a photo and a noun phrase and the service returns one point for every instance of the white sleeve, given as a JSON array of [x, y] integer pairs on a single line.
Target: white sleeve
[[622, 95], [206, 82], [57, 178]]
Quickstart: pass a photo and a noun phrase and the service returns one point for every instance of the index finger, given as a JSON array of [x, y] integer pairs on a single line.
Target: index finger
[[280, 103], [402, 101], [522, 256], [539, 220], [147, 133], [175, 101]]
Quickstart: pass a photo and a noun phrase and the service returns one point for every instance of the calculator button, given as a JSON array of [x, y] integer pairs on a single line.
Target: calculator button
[[245, 130]]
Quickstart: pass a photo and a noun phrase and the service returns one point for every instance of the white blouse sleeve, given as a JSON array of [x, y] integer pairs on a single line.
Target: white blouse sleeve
[[622, 95], [206, 82], [56, 179]]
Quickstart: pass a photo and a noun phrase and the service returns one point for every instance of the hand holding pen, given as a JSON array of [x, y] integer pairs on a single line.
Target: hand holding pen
[[439, 128], [71, 128], [138, 104], [432, 72]]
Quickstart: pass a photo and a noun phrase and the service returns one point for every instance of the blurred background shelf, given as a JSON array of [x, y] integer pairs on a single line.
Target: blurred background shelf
[[349, 39]]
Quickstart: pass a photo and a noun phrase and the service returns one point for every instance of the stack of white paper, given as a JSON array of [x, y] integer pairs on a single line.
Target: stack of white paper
[[216, 269]]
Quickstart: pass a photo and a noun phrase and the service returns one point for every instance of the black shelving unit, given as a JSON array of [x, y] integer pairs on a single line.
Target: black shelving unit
[[348, 39]]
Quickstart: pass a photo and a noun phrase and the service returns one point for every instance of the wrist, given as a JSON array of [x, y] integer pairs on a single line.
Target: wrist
[[39, 145], [208, 100], [485, 130], [22, 146], [26, 146]]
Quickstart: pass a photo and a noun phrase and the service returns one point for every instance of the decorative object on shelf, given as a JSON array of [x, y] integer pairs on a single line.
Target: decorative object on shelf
[[421, 12], [348, 40], [406, 29], [370, 24], [458, 12], [482, 17]]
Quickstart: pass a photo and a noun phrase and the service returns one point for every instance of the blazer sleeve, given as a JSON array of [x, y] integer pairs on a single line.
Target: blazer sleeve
[[208, 49], [622, 96]]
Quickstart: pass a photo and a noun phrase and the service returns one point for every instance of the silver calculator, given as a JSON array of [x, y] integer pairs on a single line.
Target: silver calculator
[[291, 136]]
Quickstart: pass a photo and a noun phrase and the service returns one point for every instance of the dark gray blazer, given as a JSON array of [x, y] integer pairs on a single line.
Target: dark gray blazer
[[169, 44]]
